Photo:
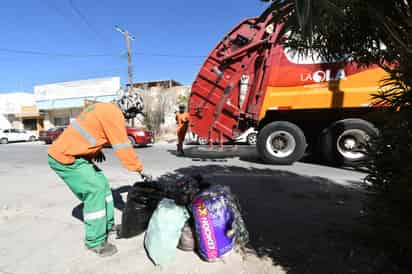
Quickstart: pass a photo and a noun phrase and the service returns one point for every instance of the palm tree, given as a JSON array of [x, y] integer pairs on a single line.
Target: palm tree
[[370, 32]]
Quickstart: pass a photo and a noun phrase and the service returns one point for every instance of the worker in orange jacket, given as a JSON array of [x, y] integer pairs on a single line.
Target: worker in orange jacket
[[72, 155], [182, 121]]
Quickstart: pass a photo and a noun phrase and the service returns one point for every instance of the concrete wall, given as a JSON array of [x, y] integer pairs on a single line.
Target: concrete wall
[[77, 89], [166, 101], [64, 115], [4, 123], [12, 103]]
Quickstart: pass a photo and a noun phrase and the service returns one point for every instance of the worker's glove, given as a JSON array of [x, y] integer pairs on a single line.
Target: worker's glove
[[100, 157], [146, 177]]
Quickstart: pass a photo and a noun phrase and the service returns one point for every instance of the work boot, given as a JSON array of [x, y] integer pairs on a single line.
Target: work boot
[[179, 151], [105, 250]]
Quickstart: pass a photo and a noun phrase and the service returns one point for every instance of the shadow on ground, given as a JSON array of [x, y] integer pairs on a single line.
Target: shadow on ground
[[119, 203], [204, 154], [304, 224], [245, 153]]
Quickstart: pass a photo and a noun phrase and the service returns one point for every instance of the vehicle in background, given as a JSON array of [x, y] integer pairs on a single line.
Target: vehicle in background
[[140, 137], [50, 135], [295, 101], [16, 135], [193, 139], [249, 137]]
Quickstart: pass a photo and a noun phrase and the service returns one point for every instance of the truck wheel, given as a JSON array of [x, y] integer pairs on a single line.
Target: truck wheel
[[4, 141], [281, 143], [32, 138], [344, 142], [252, 139], [132, 141]]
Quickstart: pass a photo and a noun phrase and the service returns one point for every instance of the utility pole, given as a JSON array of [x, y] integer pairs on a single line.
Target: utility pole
[[129, 38]]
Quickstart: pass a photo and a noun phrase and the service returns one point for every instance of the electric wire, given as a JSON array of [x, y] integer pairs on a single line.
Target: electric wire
[[90, 55], [82, 17]]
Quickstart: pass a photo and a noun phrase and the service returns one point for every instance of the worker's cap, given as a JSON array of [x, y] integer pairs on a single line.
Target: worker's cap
[[131, 104]]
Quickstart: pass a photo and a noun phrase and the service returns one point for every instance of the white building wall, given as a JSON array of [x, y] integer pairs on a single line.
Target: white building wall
[[12, 103], [62, 116], [78, 89], [4, 123]]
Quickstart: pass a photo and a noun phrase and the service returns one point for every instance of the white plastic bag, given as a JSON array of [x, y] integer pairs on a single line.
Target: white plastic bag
[[165, 228]]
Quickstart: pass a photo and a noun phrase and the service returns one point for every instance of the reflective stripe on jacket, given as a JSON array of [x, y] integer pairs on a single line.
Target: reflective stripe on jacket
[[97, 125]]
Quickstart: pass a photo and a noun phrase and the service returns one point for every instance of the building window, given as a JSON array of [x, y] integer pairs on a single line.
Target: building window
[[61, 121], [30, 124]]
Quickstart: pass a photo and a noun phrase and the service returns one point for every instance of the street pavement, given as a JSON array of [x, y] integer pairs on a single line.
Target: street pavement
[[299, 217]]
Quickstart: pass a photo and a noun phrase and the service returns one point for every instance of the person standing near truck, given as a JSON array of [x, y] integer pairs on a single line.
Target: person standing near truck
[[182, 121], [72, 156]]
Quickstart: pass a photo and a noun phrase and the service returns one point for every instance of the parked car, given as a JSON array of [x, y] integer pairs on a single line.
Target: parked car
[[141, 137], [50, 135], [16, 135], [249, 137]]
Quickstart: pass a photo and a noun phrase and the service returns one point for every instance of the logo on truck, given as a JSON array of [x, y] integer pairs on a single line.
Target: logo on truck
[[323, 76]]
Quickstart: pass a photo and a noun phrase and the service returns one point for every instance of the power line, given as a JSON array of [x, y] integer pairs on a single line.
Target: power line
[[88, 55], [80, 14], [59, 12], [43, 53], [168, 55]]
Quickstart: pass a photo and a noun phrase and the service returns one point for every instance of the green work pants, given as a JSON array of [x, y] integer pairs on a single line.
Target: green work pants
[[90, 185]]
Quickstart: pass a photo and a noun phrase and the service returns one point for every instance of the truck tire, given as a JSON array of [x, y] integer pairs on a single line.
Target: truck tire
[[4, 141], [281, 143], [343, 143]]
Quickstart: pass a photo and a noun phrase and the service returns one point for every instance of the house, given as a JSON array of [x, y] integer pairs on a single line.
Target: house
[[62, 102], [20, 111], [156, 84]]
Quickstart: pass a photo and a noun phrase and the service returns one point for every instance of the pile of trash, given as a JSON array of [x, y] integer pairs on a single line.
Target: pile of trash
[[189, 214]]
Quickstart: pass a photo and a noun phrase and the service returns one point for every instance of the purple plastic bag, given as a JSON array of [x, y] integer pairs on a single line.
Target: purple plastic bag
[[213, 220]]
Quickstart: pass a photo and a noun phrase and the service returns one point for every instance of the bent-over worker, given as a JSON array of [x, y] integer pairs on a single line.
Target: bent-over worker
[[72, 155]]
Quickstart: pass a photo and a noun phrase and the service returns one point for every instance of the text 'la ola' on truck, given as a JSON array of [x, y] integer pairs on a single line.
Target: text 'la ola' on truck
[[295, 102]]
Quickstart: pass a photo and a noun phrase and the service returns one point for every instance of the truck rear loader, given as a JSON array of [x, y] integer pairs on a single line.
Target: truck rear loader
[[294, 101]]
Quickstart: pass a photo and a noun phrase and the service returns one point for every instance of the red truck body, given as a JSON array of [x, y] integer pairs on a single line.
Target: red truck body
[[249, 80]]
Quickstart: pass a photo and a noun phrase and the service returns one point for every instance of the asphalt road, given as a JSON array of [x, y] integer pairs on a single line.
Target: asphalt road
[[300, 217]]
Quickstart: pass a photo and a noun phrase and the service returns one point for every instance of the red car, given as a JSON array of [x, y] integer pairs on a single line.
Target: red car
[[138, 136], [50, 135]]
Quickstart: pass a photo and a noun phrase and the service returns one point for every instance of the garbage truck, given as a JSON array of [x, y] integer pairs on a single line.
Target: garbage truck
[[296, 102]]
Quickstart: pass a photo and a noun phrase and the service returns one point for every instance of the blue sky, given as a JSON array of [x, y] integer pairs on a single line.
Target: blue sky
[[47, 41]]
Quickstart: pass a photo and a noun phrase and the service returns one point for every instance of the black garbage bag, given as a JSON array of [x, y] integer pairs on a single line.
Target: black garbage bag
[[142, 200], [184, 188], [144, 197]]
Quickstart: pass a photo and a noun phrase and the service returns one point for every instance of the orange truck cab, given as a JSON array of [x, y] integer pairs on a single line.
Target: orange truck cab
[[295, 101]]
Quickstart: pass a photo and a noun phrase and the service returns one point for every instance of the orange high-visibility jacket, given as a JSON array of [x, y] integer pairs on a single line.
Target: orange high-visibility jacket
[[98, 125], [182, 119]]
